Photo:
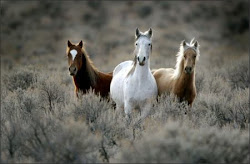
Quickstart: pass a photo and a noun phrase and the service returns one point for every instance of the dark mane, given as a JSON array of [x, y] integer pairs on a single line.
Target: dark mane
[[90, 68]]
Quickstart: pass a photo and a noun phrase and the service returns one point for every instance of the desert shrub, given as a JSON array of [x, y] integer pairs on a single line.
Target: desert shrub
[[87, 17], [31, 134], [199, 81], [14, 24], [18, 107], [165, 5], [103, 119], [59, 142], [202, 11], [90, 107], [168, 106], [232, 109], [22, 78], [238, 75], [178, 143], [236, 18], [216, 84], [50, 94], [53, 10], [215, 105], [94, 4], [144, 11]]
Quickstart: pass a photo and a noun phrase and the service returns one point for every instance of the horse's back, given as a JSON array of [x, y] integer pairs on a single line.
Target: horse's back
[[164, 79], [116, 86], [153, 71], [121, 66]]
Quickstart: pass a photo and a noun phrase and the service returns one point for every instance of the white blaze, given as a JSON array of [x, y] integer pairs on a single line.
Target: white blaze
[[73, 53]]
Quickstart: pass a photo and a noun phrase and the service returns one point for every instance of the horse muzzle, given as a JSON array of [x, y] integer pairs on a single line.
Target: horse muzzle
[[72, 71], [141, 63], [188, 70]]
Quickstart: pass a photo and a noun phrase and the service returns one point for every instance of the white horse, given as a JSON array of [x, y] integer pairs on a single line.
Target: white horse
[[133, 84]]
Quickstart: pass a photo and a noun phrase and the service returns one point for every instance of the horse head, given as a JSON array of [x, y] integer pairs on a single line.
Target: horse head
[[190, 55], [75, 57], [143, 46]]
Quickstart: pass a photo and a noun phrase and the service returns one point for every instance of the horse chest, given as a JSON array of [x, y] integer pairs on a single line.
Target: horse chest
[[83, 83], [185, 93], [139, 90]]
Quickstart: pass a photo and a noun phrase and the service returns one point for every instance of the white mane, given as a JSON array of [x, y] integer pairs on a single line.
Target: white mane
[[178, 66]]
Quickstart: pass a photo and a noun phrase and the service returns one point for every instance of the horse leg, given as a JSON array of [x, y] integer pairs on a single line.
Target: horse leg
[[128, 108], [189, 108], [145, 107]]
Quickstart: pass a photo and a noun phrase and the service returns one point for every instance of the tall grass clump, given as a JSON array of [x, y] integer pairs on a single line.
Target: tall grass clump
[[37, 127], [177, 143], [22, 78]]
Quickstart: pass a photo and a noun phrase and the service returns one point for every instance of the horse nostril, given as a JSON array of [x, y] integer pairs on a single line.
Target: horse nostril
[[188, 69], [144, 58], [75, 69], [69, 68]]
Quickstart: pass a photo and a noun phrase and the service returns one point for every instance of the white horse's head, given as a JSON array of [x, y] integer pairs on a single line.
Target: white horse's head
[[143, 46]]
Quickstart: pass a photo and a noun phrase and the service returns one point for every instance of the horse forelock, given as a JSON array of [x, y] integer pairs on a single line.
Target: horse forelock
[[143, 35], [197, 51]]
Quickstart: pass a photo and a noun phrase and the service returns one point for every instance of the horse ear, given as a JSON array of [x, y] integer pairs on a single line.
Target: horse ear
[[150, 32], [69, 44], [137, 33], [80, 44], [196, 44], [183, 43]]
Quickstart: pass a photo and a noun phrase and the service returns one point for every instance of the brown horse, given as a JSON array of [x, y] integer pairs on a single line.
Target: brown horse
[[181, 80], [85, 74]]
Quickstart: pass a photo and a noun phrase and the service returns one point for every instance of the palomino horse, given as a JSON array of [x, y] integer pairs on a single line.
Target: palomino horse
[[181, 80], [133, 84], [85, 74]]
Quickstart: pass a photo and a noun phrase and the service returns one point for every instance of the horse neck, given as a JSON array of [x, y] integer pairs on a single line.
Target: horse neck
[[142, 71], [86, 76], [186, 80]]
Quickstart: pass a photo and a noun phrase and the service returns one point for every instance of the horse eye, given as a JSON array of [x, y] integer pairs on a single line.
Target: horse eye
[[136, 44], [149, 44], [195, 56], [185, 56]]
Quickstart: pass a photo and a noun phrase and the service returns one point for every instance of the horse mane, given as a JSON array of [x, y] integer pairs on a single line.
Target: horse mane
[[90, 68], [179, 57], [132, 69]]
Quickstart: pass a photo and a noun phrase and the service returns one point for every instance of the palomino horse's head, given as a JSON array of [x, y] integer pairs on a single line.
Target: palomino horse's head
[[190, 55], [75, 57], [143, 46]]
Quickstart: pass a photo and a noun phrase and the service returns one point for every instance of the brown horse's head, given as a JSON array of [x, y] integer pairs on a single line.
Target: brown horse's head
[[75, 57], [190, 55]]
